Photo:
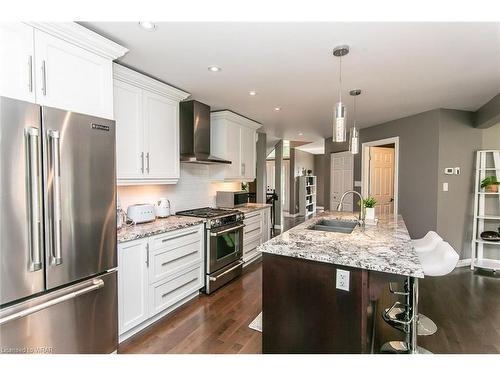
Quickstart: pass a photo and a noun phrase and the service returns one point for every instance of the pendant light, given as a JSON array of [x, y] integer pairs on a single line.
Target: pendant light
[[354, 136], [339, 123]]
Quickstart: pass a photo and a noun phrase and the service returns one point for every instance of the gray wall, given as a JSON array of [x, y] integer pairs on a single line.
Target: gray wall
[[491, 138], [278, 162], [298, 159], [458, 142], [261, 176], [489, 114]]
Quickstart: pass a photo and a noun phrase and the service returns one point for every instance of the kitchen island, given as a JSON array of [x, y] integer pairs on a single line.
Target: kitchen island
[[310, 304]]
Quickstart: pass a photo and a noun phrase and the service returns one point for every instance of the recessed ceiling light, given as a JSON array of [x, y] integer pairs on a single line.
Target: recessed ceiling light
[[148, 25], [252, 93], [214, 68], [301, 133], [277, 108]]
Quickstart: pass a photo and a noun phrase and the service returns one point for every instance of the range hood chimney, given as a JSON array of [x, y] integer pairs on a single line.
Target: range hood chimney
[[194, 118]]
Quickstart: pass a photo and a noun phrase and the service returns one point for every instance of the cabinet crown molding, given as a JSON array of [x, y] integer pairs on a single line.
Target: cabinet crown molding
[[234, 117], [82, 37], [132, 77]]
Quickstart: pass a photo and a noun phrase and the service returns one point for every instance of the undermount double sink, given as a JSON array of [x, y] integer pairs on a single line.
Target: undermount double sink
[[333, 225]]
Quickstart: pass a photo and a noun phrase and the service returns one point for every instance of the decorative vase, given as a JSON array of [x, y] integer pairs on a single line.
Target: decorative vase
[[370, 213]]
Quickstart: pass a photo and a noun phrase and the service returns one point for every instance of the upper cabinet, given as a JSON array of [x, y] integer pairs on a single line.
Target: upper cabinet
[[62, 65], [147, 129], [233, 137]]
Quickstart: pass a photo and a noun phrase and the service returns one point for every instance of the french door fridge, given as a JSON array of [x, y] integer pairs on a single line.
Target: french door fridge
[[57, 231]]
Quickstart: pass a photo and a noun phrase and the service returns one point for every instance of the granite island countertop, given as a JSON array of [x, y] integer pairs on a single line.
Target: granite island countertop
[[159, 226], [384, 247]]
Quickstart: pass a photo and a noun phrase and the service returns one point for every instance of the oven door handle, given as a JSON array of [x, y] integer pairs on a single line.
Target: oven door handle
[[215, 234], [212, 278]]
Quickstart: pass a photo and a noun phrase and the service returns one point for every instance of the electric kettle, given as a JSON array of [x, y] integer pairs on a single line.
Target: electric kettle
[[163, 208]]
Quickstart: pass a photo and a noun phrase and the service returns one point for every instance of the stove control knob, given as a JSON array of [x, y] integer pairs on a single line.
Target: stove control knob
[[217, 222]]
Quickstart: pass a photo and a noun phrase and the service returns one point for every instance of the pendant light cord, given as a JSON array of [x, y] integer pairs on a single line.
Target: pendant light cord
[[354, 122], [340, 80]]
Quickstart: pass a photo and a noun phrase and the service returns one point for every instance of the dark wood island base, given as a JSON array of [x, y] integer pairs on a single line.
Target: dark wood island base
[[303, 311]]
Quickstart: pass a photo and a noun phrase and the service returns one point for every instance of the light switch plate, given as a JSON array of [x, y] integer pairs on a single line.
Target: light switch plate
[[457, 170], [343, 280], [449, 170], [445, 186]]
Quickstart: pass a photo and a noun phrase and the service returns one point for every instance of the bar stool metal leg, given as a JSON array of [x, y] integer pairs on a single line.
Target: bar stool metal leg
[[409, 346]]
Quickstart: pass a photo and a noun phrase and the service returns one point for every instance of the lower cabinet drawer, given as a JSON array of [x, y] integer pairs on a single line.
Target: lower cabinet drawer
[[164, 294], [168, 261], [250, 248]]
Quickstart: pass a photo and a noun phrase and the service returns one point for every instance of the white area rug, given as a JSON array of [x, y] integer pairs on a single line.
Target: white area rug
[[257, 323]]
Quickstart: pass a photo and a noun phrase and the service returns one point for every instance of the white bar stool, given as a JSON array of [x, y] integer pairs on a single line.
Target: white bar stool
[[394, 315], [438, 262]]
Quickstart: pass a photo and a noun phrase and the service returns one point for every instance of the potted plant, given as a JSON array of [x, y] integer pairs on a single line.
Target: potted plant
[[369, 204], [490, 184]]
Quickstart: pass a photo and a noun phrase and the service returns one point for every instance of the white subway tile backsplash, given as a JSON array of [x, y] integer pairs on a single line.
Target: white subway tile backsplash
[[193, 190]]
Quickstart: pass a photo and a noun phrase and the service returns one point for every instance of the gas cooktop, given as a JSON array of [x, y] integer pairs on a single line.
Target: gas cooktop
[[207, 212]]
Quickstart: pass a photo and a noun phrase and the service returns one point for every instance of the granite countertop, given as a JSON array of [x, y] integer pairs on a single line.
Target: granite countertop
[[250, 207], [384, 247], [159, 226]]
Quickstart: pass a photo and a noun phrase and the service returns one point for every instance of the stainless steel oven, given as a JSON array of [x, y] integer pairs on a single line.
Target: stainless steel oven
[[224, 245]]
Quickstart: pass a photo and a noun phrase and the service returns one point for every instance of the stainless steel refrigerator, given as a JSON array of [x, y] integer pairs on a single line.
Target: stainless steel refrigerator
[[58, 288]]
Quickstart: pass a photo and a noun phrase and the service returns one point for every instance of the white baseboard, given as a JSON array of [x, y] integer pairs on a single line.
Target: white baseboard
[[464, 262], [320, 208], [277, 226], [286, 214]]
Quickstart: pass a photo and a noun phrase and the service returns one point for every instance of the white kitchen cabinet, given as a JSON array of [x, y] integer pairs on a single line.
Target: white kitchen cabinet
[[62, 65], [17, 61], [72, 78], [129, 131], [233, 137], [255, 233], [147, 129], [133, 284], [156, 275]]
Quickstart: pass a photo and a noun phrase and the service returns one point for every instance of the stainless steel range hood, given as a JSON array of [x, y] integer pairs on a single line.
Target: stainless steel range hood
[[194, 121]]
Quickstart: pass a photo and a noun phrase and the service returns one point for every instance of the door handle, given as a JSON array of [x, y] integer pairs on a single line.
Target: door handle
[[212, 278], [30, 73], [35, 207], [55, 171], [215, 234], [44, 78], [95, 284]]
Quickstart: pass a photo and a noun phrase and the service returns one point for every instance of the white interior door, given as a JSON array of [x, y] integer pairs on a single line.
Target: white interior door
[[341, 179], [381, 183], [270, 175]]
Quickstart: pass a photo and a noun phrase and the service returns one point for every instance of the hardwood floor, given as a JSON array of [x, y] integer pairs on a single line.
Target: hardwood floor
[[217, 323], [465, 306]]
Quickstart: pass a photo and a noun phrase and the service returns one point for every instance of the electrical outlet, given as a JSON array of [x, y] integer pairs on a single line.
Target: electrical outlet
[[457, 170], [445, 186], [343, 279]]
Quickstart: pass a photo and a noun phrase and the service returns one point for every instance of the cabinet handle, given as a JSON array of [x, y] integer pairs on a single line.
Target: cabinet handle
[[147, 255], [30, 73], [147, 160], [142, 162], [242, 168], [44, 78]]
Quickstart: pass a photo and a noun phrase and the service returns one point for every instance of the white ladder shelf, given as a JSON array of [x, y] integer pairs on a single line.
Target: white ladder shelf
[[487, 164]]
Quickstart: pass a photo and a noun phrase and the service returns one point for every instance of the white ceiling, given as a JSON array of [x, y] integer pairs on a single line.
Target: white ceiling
[[402, 68]]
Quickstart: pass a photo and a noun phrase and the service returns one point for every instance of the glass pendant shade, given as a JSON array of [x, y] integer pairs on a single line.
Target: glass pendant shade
[[339, 134], [354, 141]]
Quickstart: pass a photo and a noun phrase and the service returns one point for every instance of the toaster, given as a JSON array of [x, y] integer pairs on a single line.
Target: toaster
[[141, 213]]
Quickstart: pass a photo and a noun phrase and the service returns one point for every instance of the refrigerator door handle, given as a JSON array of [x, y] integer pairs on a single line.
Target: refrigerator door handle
[[35, 206], [95, 284], [55, 225]]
